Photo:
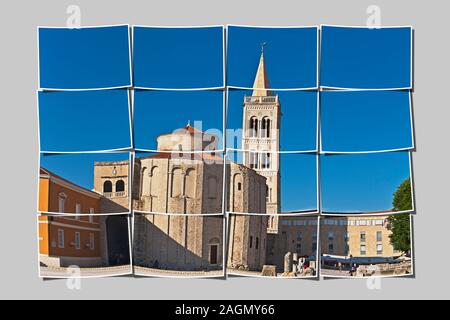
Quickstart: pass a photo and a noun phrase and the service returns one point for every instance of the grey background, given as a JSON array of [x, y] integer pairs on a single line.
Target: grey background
[[19, 161]]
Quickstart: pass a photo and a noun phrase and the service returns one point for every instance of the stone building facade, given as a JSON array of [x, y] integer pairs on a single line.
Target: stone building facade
[[179, 242], [111, 181], [363, 236]]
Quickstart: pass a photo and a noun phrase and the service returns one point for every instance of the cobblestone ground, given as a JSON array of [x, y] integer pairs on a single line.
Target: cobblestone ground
[[141, 271], [85, 272]]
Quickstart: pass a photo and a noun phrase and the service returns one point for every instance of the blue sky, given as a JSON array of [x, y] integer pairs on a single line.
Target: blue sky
[[290, 56], [298, 120], [161, 112], [84, 58], [365, 120], [363, 58], [78, 168], [362, 182], [178, 58], [298, 180], [84, 120]]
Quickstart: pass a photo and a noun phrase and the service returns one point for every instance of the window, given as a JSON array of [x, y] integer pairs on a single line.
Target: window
[[299, 236], [61, 202], [330, 236], [362, 236], [91, 217], [120, 186], [253, 125], [347, 249], [60, 238], [330, 248], [257, 243], [107, 186], [239, 186], [379, 236], [251, 242], [314, 247], [299, 248], [362, 250], [379, 249], [77, 210], [253, 160], [91, 241], [77, 240], [346, 237]]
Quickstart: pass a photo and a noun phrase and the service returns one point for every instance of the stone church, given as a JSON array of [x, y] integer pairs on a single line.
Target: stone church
[[190, 187]]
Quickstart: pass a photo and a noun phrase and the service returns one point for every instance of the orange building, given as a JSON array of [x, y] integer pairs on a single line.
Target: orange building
[[59, 195], [68, 240]]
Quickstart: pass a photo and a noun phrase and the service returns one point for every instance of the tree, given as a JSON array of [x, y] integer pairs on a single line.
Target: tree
[[400, 224]]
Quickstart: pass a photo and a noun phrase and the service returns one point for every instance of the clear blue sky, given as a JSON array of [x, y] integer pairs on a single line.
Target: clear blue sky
[[84, 120], [84, 58], [178, 58], [298, 180], [290, 56], [363, 58], [362, 182], [78, 168], [298, 120], [161, 112], [365, 120]]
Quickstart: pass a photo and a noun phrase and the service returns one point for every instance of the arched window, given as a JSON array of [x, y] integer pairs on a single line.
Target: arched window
[[253, 125], [107, 186], [265, 127], [120, 186]]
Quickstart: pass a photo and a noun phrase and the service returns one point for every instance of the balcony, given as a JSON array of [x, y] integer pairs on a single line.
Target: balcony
[[271, 99]]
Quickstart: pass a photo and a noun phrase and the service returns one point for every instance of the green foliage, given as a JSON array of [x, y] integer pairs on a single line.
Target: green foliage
[[402, 197], [400, 224], [401, 232]]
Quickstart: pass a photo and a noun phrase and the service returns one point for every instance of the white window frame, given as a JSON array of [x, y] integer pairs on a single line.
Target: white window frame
[[92, 241], [61, 243], [77, 240]]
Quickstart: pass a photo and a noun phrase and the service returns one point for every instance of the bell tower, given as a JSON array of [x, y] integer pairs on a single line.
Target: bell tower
[[261, 138]]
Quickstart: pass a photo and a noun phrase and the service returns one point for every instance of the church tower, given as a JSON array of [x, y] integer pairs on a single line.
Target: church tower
[[261, 139]]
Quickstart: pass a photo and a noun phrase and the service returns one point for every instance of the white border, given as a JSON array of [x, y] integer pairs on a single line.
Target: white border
[[411, 67], [187, 27], [317, 27], [317, 276], [412, 211], [86, 89], [69, 276], [408, 148], [316, 150], [121, 149], [61, 214], [291, 213], [174, 276], [411, 275], [223, 136]]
